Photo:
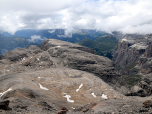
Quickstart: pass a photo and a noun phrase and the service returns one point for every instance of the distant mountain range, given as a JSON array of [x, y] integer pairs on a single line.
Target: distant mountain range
[[59, 34], [24, 38]]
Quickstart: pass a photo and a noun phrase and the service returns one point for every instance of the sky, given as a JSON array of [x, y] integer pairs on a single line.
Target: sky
[[127, 16]]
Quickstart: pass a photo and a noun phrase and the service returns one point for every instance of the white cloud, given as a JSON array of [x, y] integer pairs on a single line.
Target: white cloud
[[36, 38], [128, 16], [52, 31]]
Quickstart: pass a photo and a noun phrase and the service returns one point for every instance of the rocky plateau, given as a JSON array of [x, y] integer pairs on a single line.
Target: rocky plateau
[[64, 78]]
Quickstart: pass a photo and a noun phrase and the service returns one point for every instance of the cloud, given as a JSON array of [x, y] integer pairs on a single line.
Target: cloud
[[128, 16], [36, 38], [67, 33], [51, 31]]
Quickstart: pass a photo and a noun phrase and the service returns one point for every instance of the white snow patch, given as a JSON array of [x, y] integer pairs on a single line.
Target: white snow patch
[[104, 96], [79, 88], [23, 59], [93, 95], [68, 98], [1, 94], [8, 70], [38, 59], [70, 75], [39, 77], [58, 46], [44, 88], [72, 107]]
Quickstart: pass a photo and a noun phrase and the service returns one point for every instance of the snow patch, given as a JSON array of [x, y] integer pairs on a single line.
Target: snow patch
[[104, 96], [1, 94], [68, 98], [44, 88], [79, 88], [23, 59], [72, 107], [58, 46], [70, 75], [93, 95]]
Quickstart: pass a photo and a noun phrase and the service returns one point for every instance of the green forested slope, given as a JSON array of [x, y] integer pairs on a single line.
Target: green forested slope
[[103, 45]]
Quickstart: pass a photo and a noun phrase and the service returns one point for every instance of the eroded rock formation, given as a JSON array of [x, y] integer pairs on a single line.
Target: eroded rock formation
[[133, 59]]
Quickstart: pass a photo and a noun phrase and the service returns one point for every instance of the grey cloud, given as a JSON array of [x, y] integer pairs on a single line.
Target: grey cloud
[[128, 16]]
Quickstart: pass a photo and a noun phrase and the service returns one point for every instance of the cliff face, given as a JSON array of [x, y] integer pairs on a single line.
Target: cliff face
[[57, 77], [130, 49], [133, 59]]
